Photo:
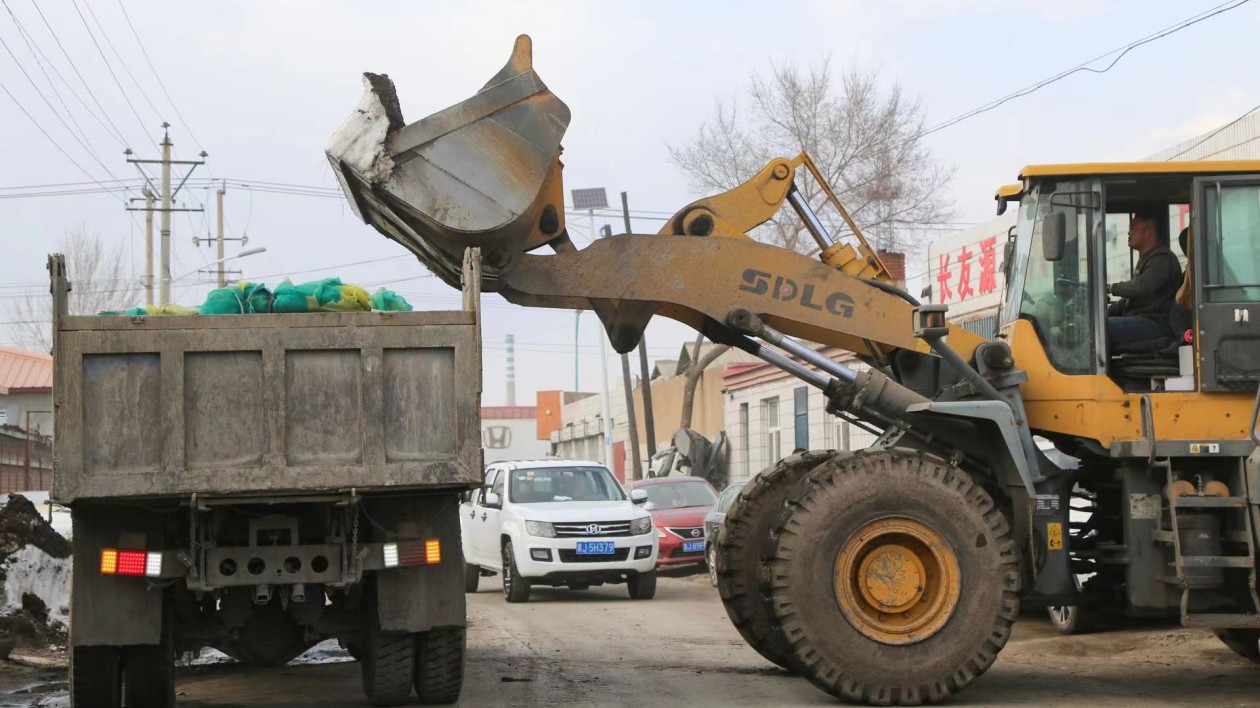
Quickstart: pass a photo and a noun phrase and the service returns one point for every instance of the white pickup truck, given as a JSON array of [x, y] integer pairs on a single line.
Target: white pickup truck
[[557, 523]]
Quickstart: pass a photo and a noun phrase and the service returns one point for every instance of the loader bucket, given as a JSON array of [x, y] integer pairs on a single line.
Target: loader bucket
[[484, 172]]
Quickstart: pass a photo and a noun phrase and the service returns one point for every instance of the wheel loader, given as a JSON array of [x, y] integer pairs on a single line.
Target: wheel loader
[[893, 574]]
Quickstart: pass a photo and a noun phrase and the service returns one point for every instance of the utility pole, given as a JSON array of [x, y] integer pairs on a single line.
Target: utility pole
[[603, 377], [218, 194], [148, 246], [645, 381], [166, 196], [219, 239]]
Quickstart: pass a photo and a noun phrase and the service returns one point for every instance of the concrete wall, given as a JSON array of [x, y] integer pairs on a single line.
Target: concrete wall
[[512, 439]]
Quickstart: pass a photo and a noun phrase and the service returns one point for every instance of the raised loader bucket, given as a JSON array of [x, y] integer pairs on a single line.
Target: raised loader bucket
[[484, 172]]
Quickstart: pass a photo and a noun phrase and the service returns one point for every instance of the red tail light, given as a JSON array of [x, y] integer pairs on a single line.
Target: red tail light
[[135, 563]]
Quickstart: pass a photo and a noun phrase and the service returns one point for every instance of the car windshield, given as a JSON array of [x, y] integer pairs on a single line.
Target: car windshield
[[679, 495], [563, 484]]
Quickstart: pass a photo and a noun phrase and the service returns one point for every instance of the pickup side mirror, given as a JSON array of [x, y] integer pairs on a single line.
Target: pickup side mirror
[[492, 500], [1054, 236], [638, 496]]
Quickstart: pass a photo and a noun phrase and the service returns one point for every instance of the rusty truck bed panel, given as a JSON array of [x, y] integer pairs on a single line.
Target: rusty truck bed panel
[[165, 406]]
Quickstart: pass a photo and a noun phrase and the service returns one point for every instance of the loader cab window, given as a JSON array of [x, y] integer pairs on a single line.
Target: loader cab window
[[1232, 263], [1056, 294]]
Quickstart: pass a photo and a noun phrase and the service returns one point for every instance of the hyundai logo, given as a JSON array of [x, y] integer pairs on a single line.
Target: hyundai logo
[[594, 530], [695, 533]]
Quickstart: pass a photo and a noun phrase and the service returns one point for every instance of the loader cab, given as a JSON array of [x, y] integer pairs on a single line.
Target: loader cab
[[1070, 244]]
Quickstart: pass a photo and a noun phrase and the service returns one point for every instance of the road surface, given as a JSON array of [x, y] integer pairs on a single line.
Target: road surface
[[599, 648]]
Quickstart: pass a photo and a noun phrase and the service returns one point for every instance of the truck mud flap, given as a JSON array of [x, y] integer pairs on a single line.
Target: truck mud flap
[[419, 598], [112, 610]]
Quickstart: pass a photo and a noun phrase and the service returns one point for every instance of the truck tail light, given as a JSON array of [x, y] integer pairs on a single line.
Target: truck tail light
[[134, 563], [427, 552]]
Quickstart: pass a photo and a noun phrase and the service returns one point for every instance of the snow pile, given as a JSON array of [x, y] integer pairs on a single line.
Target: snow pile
[[35, 567]]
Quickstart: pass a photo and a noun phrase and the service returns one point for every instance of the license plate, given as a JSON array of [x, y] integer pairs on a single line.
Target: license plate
[[693, 546], [595, 548]]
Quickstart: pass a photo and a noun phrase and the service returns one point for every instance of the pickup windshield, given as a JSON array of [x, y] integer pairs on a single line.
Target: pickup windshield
[[563, 484], [679, 495]]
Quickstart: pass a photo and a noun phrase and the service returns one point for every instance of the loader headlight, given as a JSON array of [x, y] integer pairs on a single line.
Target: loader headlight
[[540, 528], [641, 526]]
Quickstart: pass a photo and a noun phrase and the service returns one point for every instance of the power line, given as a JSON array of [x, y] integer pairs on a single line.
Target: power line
[[105, 59], [50, 138], [51, 107], [1193, 20], [35, 54], [1213, 134], [117, 133], [152, 68], [109, 43]]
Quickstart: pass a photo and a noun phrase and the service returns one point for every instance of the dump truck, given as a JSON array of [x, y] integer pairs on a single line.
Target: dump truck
[[260, 483], [894, 574]]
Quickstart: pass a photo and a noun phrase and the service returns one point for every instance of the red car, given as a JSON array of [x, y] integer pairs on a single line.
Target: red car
[[678, 506]]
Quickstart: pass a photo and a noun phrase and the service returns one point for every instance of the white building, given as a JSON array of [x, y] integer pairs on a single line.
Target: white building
[[511, 433], [770, 413]]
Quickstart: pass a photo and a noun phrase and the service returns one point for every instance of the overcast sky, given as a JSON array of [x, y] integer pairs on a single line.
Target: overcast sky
[[263, 84]]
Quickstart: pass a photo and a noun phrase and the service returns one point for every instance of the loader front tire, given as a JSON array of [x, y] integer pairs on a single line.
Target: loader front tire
[[894, 577], [739, 575]]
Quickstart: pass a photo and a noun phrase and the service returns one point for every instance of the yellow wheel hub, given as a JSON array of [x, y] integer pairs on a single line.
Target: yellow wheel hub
[[897, 580]]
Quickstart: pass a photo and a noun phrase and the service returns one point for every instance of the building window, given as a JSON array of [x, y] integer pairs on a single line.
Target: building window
[[800, 417], [771, 430], [745, 438]]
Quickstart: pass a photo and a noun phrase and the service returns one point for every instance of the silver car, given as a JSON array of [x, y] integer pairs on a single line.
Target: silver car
[[713, 524]]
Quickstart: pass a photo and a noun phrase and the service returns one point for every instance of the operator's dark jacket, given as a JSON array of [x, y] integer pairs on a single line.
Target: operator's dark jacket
[[1153, 290]]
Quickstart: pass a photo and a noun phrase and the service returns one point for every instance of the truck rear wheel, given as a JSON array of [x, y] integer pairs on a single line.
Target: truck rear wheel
[[149, 669], [868, 572], [739, 550], [387, 661], [95, 677], [439, 674]]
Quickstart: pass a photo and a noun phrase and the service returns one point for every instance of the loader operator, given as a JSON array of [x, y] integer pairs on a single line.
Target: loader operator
[[1140, 320]]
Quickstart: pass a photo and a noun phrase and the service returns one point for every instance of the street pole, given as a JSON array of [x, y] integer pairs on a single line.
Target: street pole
[[166, 215], [219, 237], [148, 246], [577, 322], [645, 382], [603, 376]]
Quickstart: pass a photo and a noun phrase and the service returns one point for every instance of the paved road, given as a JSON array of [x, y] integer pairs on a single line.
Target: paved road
[[599, 648]]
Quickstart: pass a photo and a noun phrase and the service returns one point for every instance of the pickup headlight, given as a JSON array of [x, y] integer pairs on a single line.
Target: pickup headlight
[[540, 528], [639, 527]]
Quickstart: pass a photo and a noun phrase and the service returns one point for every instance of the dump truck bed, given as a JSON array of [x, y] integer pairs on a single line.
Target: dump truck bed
[[266, 404]]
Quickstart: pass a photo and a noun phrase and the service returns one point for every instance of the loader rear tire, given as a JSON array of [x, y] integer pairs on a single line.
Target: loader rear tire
[[739, 570], [1243, 642], [895, 578]]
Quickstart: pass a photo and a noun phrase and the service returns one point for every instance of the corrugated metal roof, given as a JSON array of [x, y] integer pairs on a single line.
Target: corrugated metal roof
[[25, 372]]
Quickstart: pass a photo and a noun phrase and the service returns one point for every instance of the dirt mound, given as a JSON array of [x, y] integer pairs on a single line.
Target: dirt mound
[[21, 525], [30, 626]]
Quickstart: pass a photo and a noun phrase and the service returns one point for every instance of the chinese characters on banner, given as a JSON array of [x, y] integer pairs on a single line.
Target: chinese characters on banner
[[954, 276]]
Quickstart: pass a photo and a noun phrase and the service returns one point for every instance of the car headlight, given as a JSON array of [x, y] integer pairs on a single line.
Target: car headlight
[[641, 526], [540, 528]]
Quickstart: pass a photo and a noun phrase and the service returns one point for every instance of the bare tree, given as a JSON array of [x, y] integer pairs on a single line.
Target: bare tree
[[864, 136], [100, 280]]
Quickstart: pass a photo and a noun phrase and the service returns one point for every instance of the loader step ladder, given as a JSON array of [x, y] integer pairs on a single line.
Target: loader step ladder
[[1179, 505]]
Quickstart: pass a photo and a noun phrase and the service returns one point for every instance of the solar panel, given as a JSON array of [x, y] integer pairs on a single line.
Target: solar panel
[[595, 198]]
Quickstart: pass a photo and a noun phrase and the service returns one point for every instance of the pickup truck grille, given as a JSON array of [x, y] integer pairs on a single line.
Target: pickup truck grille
[[568, 555], [600, 528]]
